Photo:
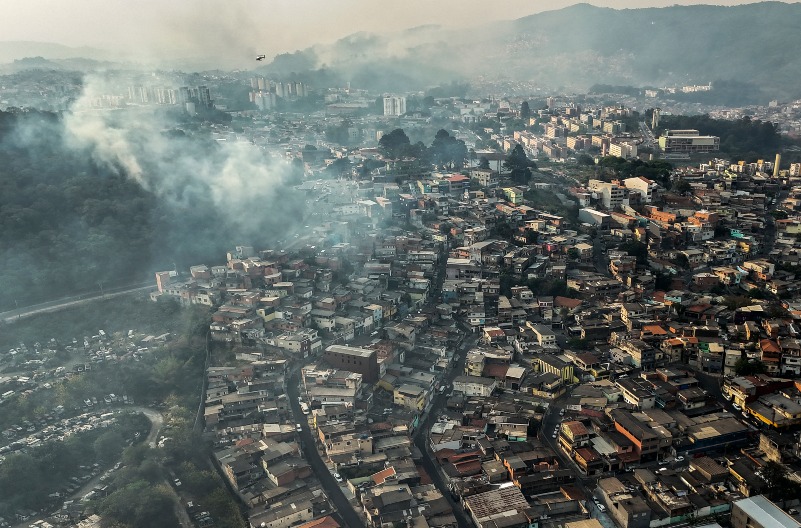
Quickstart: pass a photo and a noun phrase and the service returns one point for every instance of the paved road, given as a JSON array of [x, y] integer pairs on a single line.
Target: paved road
[[331, 487], [156, 423], [549, 423], [421, 434], [54, 306]]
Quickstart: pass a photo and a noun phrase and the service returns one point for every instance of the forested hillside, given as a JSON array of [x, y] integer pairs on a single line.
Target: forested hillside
[[578, 46], [70, 224]]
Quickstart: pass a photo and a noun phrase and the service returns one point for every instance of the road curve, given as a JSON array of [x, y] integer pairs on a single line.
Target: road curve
[[321, 471], [156, 423], [54, 306]]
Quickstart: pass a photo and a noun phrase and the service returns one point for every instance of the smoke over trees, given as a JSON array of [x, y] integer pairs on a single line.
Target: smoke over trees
[[91, 198]]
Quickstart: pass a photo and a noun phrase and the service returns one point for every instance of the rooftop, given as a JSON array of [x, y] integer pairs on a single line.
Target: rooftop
[[766, 513]]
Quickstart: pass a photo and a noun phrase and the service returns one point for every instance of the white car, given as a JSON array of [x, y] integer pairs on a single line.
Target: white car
[[679, 458], [338, 477], [736, 407], [298, 428]]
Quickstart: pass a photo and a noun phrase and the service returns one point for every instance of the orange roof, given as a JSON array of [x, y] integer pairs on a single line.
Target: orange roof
[[458, 178], [322, 522], [495, 370], [381, 476], [587, 453], [576, 428], [768, 345], [468, 467], [654, 329], [566, 302]]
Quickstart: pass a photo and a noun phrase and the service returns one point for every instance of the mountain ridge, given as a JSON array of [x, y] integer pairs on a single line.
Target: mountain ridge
[[582, 44], [571, 49]]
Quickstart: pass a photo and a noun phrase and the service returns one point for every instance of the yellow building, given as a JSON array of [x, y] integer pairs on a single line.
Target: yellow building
[[513, 194], [554, 365], [410, 396]]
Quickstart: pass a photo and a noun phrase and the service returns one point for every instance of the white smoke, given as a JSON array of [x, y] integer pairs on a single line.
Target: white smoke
[[235, 176]]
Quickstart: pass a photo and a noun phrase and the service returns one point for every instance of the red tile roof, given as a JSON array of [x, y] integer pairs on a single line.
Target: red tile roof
[[381, 476], [495, 370], [458, 178], [322, 522], [768, 345], [566, 302], [654, 329]]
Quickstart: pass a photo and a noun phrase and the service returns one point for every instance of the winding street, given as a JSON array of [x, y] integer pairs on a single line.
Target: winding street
[[421, 434], [67, 302], [156, 423], [346, 512]]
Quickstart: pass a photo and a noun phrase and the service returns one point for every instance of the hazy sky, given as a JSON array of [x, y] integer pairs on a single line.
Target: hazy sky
[[268, 26]]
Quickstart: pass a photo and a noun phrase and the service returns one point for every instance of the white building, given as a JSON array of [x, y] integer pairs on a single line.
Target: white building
[[394, 106], [611, 195], [474, 385], [645, 187], [623, 149]]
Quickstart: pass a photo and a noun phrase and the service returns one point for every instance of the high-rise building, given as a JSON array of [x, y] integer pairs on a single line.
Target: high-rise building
[[264, 100], [687, 141], [655, 118], [204, 97], [184, 94], [394, 106], [611, 195]]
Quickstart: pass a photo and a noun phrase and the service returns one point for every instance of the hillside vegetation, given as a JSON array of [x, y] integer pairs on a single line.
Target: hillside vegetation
[[577, 47]]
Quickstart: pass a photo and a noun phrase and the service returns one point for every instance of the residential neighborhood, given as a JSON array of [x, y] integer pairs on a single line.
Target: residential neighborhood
[[445, 348], [466, 309]]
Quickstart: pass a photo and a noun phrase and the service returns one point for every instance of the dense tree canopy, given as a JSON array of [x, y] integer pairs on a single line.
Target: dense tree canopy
[[745, 138], [448, 151], [518, 164], [392, 144], [525, 111], [656, 170], [70, 222]]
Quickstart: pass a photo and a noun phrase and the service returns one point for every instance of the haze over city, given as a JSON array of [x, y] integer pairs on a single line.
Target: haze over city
[[151, 29], [345, 264]]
